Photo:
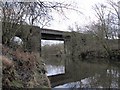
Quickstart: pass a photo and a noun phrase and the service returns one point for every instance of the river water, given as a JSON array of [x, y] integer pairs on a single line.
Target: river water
[[88, 74], [55, 69]]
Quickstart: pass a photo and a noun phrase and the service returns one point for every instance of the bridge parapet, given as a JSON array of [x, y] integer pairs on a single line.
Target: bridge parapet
[[50, 31]]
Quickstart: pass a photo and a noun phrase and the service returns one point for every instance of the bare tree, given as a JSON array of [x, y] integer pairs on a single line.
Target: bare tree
[[31, 13], [115, 7], [103, 26]]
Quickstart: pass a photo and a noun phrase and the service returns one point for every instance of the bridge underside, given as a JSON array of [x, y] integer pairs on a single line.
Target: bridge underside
[[52, 37]]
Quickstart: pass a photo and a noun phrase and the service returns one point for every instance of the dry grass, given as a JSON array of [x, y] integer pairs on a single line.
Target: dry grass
[[22, 69], [29, 58], [20, 56], [7, 62]]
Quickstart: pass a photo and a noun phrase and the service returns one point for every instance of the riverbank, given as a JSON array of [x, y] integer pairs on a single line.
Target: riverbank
[[114, 55], [23, 69]]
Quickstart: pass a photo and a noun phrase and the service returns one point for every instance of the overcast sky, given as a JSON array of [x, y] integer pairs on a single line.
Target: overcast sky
[[85, 6]]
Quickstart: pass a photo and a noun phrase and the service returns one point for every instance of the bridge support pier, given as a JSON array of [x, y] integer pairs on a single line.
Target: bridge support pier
[[67, 51]]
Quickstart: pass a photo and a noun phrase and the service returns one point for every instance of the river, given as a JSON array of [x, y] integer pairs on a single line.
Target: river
[[86, 74]]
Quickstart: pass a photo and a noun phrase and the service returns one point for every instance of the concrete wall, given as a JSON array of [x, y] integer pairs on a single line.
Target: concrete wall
[[30, 35]]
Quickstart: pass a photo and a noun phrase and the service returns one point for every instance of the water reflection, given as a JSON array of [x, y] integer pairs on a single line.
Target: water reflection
[[70, 85], [97, 81], [53, 69], [88, 75]]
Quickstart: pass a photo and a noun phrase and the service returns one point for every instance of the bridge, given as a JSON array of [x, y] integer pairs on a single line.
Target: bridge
[[32, 36], [50, 34]]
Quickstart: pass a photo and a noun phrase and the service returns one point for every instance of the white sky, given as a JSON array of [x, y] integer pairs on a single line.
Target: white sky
[[85, 6]]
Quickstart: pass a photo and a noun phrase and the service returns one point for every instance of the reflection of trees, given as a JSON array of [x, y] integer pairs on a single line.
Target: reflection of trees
[[105, 79], [119, 77], [53, 54], [96, 75]]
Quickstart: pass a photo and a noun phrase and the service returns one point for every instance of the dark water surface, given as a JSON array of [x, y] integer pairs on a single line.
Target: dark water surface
[[86, 74]]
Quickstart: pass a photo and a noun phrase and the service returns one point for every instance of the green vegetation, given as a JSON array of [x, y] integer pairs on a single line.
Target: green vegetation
[[53, 54]]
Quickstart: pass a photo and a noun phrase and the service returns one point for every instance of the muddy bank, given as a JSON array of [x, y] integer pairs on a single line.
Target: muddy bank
[[23, 69]]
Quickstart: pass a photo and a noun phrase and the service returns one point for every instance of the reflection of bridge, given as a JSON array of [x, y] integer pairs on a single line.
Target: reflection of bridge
[[82, 70], [61, 79]]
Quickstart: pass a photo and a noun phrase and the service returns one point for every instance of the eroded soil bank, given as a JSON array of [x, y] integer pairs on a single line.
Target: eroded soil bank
[[22, 69]]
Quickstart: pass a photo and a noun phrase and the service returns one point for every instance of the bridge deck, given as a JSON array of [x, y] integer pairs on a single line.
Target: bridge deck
[[51, 31], [50, 34]]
